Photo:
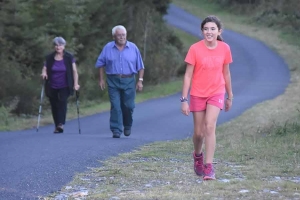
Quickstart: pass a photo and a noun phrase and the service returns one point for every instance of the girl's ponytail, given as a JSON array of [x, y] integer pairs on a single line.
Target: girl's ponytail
[[220, 38]]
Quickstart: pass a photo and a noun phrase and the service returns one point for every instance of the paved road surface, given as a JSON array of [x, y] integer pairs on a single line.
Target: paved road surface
[[33, 164]]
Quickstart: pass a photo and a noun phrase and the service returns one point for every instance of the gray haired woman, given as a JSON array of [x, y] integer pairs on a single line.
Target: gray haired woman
[[60, 73]]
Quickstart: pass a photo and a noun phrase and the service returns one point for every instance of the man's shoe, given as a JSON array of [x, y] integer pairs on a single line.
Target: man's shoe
[[198, 164], [209, 172], [116, 135], [127, 132]]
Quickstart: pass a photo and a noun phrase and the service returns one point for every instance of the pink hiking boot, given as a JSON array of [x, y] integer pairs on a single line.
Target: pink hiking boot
[[198, 164], [209, 172]]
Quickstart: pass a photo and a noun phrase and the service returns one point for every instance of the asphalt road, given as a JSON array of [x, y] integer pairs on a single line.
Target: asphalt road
[[33, 164]]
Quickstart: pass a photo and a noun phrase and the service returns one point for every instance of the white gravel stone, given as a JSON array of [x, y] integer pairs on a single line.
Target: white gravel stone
[[266, 191], [61, 197], [277, 178], [114, 198], [80, 194], [68, 187], [224, 180], [199, 181]]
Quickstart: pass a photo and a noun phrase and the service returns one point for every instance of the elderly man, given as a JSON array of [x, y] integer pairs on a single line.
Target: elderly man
[[121, 60]]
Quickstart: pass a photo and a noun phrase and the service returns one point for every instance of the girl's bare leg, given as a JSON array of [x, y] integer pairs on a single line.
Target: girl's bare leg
[[211, 116], [198, 137]]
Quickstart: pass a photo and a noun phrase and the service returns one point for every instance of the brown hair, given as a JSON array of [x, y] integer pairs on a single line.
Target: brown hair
[[215, 19]]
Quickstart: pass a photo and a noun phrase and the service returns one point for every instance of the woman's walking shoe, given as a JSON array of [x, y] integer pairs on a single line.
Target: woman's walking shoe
[[198, 164], [209, 172], [60, 128], [55, 131]]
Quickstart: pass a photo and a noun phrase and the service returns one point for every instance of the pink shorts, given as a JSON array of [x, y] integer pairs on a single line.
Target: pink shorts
[[199, 103]]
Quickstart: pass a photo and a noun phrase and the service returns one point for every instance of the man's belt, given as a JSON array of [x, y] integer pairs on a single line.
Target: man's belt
[[122, 75]]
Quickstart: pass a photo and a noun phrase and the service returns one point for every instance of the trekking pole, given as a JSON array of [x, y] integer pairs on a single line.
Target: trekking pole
[[40, 108], [77, 104]]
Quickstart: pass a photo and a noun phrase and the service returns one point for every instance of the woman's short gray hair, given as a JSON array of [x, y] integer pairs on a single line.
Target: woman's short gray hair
[[118, 27], [59, 41]]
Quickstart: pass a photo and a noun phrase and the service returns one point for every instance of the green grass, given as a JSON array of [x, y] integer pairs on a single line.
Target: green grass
[[185, 38]]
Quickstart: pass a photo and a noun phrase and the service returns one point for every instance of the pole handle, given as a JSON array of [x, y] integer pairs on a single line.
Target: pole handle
[[77, 94]]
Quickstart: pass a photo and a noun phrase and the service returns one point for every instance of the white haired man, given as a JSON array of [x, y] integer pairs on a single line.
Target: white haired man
[[122, 61]]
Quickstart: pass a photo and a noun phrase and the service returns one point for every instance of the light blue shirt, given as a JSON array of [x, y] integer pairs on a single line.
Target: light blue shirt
[[127, 61]]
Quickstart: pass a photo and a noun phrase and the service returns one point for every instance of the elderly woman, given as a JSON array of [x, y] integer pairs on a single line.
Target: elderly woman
[[61, 77]]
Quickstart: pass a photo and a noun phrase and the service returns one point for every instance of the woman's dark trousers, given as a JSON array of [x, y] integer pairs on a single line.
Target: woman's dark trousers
[[58, 100]]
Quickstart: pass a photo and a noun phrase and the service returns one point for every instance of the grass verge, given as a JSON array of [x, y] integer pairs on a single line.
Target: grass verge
[[11, 122], [257, 154]]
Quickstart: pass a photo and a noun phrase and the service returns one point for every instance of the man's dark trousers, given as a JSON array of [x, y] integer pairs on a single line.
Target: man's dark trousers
[[121, 91]]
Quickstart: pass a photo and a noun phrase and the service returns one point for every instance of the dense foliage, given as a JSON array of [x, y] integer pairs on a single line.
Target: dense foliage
[[273, 13], [27, 28]]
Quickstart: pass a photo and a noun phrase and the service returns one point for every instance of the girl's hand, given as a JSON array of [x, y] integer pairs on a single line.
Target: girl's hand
[[228, 104], [185, 109]]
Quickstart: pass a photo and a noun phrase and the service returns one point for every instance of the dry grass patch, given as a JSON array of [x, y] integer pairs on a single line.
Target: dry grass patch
[[165, 171]]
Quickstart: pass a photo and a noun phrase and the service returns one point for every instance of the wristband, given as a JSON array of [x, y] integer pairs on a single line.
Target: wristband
[[141, 79], [230, 98], [183, 99]]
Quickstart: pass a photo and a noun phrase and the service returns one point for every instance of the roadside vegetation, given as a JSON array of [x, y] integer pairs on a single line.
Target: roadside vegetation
[[257, 154], [26, 32]]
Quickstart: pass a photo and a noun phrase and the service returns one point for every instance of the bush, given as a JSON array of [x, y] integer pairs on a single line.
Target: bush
[[4, 116]]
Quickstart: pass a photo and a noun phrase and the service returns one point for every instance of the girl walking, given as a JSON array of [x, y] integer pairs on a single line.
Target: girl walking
[[208, 75]]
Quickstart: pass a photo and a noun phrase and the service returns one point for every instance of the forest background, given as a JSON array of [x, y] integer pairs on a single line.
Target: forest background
[[27, 29]]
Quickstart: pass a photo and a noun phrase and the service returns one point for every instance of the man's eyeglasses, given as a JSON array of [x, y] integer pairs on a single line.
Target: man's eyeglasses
[[120, 35]]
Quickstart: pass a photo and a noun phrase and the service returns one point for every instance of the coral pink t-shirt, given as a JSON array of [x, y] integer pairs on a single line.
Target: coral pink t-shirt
[[208, 65]]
